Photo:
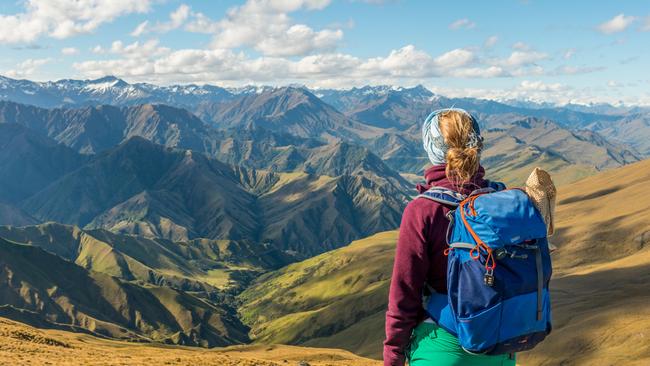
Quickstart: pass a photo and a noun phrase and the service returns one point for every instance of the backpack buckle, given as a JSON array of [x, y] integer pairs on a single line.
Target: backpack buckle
[[488, 278]]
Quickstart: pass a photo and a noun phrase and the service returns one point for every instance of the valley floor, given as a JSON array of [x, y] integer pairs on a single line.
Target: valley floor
[[24, 345]]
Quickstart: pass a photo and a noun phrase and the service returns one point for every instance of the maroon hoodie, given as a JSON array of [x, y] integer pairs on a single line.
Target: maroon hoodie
[[419, 259]]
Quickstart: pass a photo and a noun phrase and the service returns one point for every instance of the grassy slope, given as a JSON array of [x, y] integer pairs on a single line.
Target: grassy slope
[[328, 299], [601, 287], [602, 281], [511, 161], [188, 265], [40, 288], [22, 344]]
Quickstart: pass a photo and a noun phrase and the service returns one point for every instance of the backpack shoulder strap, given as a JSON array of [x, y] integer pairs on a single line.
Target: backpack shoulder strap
[[497, 186], [443, 195], [489, 188]]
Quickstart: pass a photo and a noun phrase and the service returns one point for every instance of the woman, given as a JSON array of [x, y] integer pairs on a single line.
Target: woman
[[453, 143]]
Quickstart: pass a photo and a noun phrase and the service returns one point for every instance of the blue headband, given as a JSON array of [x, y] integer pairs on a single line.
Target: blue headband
[[434, 142]]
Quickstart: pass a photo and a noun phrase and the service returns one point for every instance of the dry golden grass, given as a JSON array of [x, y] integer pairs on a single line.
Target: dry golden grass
[[601, 285], [23, 345]]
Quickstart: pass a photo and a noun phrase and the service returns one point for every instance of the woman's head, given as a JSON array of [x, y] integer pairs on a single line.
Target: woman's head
[[453, 137]]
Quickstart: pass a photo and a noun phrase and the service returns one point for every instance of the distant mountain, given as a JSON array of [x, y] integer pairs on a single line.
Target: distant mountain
[[147, 189], [30, 161], [106, 90], [91, 130], [384, 106], [632, 129], [11, 215], [43, 289], [516, 147], [352, 99], [288, 109], [206, 188], [94, 129], [326, 114], [513, 151]]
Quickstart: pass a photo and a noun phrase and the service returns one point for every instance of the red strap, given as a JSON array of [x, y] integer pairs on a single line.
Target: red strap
[[475, 253]]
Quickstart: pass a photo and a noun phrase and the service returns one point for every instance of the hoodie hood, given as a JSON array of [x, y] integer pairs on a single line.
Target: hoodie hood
[[436, 176]]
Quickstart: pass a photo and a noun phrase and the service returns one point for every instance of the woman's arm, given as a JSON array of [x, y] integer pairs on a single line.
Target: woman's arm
[[409, 276]]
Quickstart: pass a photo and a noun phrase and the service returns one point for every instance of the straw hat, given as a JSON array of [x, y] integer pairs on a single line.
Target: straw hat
[[542, 192]]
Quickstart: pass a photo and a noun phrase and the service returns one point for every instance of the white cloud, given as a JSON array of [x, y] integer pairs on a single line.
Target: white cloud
[[617, 24], [569, 53], [646, 24], [454, 58], [151, 62], [480, 72], [176, 19], [521, 46], [200, 23], [266, 27], [140, 29], [539, 91], [613, 84], [63, 18], [575, 70], [534, 90], [145, 50], [98, 50], [27, 68], [69, 51], [522, 58], [462, 24], [491, 41], [376, 2], [540, 86]]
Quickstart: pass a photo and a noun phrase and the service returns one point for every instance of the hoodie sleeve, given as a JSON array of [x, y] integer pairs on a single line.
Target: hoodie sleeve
[[410, 270]]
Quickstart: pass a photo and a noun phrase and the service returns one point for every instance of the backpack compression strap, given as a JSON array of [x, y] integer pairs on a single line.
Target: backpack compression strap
[[453, 198], [443, 195]]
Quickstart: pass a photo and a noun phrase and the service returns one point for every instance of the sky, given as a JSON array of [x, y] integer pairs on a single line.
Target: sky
[[546, 51]]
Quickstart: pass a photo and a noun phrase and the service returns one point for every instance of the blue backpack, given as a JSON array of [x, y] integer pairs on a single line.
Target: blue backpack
[[499, 268]]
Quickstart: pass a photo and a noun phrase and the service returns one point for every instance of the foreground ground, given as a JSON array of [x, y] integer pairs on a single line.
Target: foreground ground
[[24, 345]]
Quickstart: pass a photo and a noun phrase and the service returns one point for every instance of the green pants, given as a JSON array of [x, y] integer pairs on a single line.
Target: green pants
[[433, 346]]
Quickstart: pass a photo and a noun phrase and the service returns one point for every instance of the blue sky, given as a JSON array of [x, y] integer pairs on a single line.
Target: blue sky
[[556, 51]]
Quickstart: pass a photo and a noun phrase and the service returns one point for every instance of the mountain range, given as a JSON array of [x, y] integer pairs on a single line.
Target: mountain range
[[367, 107], [142, 188], [209, 216]]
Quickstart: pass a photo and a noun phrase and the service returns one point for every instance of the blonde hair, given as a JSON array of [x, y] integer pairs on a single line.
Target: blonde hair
[[462, 161]]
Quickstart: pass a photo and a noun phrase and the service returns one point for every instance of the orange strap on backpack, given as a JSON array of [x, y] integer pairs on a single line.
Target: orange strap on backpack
[[475, 253]]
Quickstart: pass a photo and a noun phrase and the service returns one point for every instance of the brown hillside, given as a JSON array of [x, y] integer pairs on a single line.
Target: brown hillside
[[22, 344]]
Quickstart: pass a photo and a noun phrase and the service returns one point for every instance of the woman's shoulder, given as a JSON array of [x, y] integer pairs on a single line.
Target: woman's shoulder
[[421, 207]]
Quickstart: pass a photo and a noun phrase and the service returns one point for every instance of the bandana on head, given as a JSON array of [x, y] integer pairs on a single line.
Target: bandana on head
[[434, 142]]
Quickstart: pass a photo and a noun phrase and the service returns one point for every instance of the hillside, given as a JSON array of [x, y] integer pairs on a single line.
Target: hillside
[[514, 148], [30, 161], [93, 129], [146, 189], [600, 286], [22, 343], [200, 265], [43, 289], [335, 298], [292, 110], [384, 106]]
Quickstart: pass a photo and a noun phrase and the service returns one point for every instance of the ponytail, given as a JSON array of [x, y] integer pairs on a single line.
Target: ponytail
[[462, 156]]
